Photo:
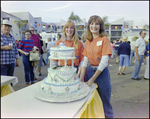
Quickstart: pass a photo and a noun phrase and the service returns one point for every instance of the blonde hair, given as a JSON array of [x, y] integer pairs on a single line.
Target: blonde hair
[[83, 37], [124, 39], [102, 32], [75, 34]]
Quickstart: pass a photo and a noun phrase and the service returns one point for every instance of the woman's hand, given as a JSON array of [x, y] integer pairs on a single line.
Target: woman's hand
[[90, 82], [26, 54]]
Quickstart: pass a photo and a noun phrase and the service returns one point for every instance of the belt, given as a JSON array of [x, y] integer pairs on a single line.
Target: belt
[[93, 66]]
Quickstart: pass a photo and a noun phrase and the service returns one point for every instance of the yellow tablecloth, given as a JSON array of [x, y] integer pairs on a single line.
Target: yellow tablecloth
[[5, 90], [93, 108]]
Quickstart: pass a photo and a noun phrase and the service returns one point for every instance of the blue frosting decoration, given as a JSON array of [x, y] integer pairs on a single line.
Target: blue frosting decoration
[[44, 81]]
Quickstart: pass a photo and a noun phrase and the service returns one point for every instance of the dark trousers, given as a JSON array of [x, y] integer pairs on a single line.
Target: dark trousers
[[7, 69], [28, 69]]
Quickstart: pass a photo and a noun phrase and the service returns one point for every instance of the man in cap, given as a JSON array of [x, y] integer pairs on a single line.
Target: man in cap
[[53, 43], [9, 50]]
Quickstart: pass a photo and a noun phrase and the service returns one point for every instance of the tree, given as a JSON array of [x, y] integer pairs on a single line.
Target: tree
[[105, 20], [20, 25], [75, 18]]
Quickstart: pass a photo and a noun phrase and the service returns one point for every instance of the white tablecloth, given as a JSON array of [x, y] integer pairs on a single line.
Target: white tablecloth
[[23, 103], [5, 80]]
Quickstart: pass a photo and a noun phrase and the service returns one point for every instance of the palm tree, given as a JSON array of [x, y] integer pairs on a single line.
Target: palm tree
[[75, 18], [106, 23], [20, 25], [105, 20]]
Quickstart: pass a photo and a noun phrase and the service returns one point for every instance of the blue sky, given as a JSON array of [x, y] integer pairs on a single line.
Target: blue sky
[[53, 11]]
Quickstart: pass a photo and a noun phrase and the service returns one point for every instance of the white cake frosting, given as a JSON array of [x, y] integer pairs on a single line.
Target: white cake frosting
[[62, 52], [61, 80]]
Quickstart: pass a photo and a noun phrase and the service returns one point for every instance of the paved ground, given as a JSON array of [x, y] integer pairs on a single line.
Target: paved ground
[[130, 98]]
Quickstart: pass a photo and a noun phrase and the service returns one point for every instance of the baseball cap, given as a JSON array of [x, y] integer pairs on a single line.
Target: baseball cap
[[6, 22]]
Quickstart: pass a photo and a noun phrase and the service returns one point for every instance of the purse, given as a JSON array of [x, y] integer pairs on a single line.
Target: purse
[[34, 56]]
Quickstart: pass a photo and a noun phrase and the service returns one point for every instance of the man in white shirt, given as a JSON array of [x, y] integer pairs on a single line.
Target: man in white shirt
[[132, 50], [139, 55]]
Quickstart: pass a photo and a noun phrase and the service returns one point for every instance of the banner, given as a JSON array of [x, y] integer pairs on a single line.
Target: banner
[[31, 24], [115, 27], [137, 27], [122, 27]]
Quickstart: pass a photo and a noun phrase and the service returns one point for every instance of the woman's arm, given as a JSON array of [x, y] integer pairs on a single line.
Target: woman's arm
[[103, 64]]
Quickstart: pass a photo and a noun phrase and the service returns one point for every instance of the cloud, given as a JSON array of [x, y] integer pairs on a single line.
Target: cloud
[[57, 8]]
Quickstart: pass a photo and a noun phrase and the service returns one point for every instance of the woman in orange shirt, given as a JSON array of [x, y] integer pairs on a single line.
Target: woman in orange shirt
[[96, 56], [70, 39]]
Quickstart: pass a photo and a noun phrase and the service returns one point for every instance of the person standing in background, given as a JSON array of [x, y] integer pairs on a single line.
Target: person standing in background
[[139, 51], [49, 45], [58, 36], [9, 50], [112, 49], [116, 50], [26, 45], [36, 41], [53, 42], [132, 50], [44, 50], [124, 54], [41, 58], [146, 74]]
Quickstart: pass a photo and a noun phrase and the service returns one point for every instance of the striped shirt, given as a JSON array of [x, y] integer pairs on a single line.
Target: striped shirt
[[8, 56], [26, 45]]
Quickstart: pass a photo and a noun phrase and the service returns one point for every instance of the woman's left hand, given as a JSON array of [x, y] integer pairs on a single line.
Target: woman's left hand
[[90, 82]]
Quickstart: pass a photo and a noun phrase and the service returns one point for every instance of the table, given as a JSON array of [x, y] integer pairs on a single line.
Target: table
[[6, 88], [23, 103]]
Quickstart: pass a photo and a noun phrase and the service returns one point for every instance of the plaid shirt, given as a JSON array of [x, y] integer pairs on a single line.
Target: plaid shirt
[[8, 56]]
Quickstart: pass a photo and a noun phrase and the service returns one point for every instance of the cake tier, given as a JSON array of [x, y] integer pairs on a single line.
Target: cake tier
[[62, 52], [60, 89], [61, 80]]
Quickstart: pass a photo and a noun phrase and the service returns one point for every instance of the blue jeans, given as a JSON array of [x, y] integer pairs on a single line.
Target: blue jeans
[[7, 69], [47, 55], [40, 61], [104, 88], [28, 68], [131, 56], [137, 67]]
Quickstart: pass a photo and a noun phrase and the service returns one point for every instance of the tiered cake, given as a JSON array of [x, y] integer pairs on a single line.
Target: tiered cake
[[62, 84]]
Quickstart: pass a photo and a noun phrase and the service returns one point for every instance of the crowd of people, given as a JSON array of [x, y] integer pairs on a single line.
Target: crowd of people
[[93, 52]]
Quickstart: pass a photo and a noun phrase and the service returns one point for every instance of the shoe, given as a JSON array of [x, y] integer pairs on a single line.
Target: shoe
[[123, 74], [27, 84], [40, 74], [118, 73], [37, 79], [146, 78], [32, 83], [136, 79]]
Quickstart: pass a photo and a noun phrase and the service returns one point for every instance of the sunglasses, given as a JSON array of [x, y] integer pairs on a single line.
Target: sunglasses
[[144, 33]]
